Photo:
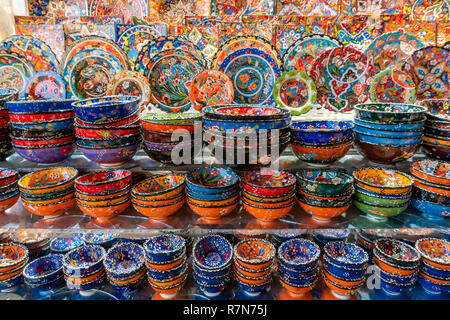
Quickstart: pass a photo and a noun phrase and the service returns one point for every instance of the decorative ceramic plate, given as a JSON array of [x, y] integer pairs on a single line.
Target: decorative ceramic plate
[[253, 73], [36, 51], [15, 71], [130, 83], [342, 76], [430, 68], [119, 8], [300, 56], [391, 48], [210, 88], [170, 74], [393, 85], [45, 85], [296, 92]]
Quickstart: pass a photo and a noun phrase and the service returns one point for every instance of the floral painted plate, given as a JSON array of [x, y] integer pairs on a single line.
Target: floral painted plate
[[45, 85], [300, 56], [253, 73], [392, 48], [296, 92], [393, 85], [170, 74], [430, 68], [15, 71], [130, 83], [211, 88]]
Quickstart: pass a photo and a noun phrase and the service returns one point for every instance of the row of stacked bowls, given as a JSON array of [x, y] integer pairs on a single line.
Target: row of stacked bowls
[[436, 140], [389, 133], [6, 148]]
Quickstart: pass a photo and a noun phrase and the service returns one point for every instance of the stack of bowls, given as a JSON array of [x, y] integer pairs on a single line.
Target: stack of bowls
[[37, 243], [42, 131], [288, 234], [83, 267], [431, 190], [104, 195], [320, 143], [398, 265], [49, 192], [212, 257], [212, 193], [165, 259], [9, 190], [158, 129], [13, 258], [436, 140], [63, 245], [381, 193], [324, 194], [434, 274], [253, 265], [45, 273], [387, 133], [125, 267], [323, 236], [268, 195], [159, 197], [298, 265], [108, 113], [6, 148], [238, 130]]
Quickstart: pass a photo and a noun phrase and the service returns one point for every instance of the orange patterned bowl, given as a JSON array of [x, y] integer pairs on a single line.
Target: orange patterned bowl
[[342, 282], [105, 213], [253, 273], [321, 155], [435, 252], [265, 214], [254, 254], [323, 213], [251, 196], [9, 202], [252, 281], [432, 171], [49, 202], [159, 188], [214, 203], [386, 182], [12, 256], [51, 210], [167, 265], [296, 289], [48, 180], [94, 197], [212, 213], [158, 203], [270, 205], [345, 291], [104, 203], [159, 212], [395, 270], [431, 187]]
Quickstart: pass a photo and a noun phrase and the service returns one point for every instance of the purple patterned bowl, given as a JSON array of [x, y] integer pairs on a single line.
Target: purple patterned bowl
[[48, 154], [113, 156]]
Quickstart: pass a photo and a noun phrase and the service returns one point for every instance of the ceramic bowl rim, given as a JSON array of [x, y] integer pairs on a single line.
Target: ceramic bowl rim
[[271, 208], [128, 136], [382, 196], [42, 112], [136, 265], [416, 245], [108, 99], [312, 131], [23, 247], [247, 261], [314, 259], [321, 146], [429, 184], [58, 250], [153, 206], [41, 122], [183, 273], [349, 178], [127, 145], [74, 173], [48, 256], [45, 147], [40, 138], [380, 206], [85, 246], [400, 243], [384, 187], [416, 166], [172, 237], [383, 260], [218, 188], [359, 107], [159, 192], [389, 138], [103, 193], [202, 238], [286, 173], [403, 122], [128, 174], [357, 141], [365, 255], [106, 124], [181, 256]]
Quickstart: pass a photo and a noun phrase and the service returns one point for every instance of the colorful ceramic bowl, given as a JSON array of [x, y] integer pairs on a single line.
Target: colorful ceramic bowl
[[105, 133], [435, 252], [160, 187], [211, 180], [110, 156], [433, 171], [39, 106], [108, 142], [164, 248], [268, 183], [9, 201], [342, 272], [8, 176], [212, 252], [48, 154], [268, 214], [381, 200], [254, 254], [393, 268], [438, 109], [213, 212], [346, 255], [431, 210], [48, 126], [124, 260], [389, 112], [48, 180], [321, 132], [41, 117], [159, 212], [83, 261], [397, 252], [65, 244], [167, 274], [101, 213], [103, 182], [393, 127], [320, 155], [12, 256], [409, 134], [51, 210], [395, 141], [386, 182], [33, 142], [44, 270], [300, 255], [324, 182], [104, 239], [386, 154], [379, 211], [168, 123]]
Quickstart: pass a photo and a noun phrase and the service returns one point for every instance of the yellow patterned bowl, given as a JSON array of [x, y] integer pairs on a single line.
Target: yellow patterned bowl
[[48, 180], [383, 181]]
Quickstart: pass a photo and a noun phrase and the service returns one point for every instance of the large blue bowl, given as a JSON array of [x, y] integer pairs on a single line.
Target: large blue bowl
[[342, 272], [388, 134], [210, 180], [55, 125], [346, 255], [43, 270], [403, 126], [38, 106], [443, 274], [322, 132], [387, 141], [83, 261], [299, 254], [244, 126], [430, 209], [164, 248], [47, 155], [107, 109], [433, 287], [124, 260]]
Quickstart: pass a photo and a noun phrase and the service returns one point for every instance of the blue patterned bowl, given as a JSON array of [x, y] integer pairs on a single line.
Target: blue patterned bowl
[[48, 154], [213, 290], [387, 141], [347, 255], [402, 126], [11, 282], [124, 260], [342, 272], [432, 286], [164, 248], [83, 261], [238, 126], [212, 252], [65, 244], [167, 274], [43, 270], [388, 134], [106, 239], [39, 106], [430, 210], [213, 196], [299, 254], [211, 180], [86, 286], [253, 290], [389, 112], [322, 132], [106, 109], [211, 281], [394, 289], [213, 273], [292, 273], [111, 156], [288, 234], [398, 279], [109, 143], [435, 272], [300, 280], [52, 126], [327, 235]]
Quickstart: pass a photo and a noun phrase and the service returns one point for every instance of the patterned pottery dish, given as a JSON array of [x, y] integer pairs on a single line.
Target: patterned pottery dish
[[12, 257], [37, 107], [392, 127], [160, 187], [379, 212], [324, 182], [106, 239], [386, 154], [82, 262], [104, 213], [158, 211], [397, 252], [211, 180], [346, 255], [124, 261], [321, 132], [168, 123], [435, 252], [389, 113], [268, 183], [254, 254], [433, 171], [49, 154], [44, 271], [48, 180], [321, 156], [164, 248], [326, 235], [65, 244], [212, 252], [48, 126], [386, 182], [300, 255], [98, 132], [103, 182], [431, 210], [110, 156]]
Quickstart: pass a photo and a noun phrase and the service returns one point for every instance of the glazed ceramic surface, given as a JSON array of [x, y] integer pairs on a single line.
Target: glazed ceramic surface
[[323, 182], [211, 180], [389, 113], [212, 252], [436, 251], [254, 251], [345, 254], [45, 85], [393, 85], [124, 260], [164, 248]]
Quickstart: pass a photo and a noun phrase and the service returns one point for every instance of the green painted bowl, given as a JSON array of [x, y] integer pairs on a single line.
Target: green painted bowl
[[380, 212], [324, 182], [382, 201], [389, 112]]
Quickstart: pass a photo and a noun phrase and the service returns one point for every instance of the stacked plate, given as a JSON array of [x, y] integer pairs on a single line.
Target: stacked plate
[[115, 112], [212, 193], [9, 191], [49, 192], [42, 131], [165, 259], [83, 267], [6, 148], [387, 133], [436, 140], [212, 257], [104, 195], [320, 143], [268, 195], [324, 194], [159, 197], [398, 265], [431, 190], [38, 244], [298, 265], [45, 273], [382, 193], [434, 274], [13, 258], [244, 136], [253, 265], [160, 141]]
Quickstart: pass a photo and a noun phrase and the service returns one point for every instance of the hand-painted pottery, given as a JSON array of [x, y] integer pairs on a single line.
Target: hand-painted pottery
[[268, 183], [159, 212], [168, 123], [394, 141], [401, 126], [212, 252], [213, 196], [40, 117], [101, 182], [164, 248], [49, 126], [323, 214], [327, 203], [124, 260], [113, 156], [253, 290], [343, 282], [169, 282], [155, 136], [163, 153], [12, 256], [320, 155], [132, 120], [252, 280], [364, 131], [105, 240], [393, 85], [431, 131], [326, 235], [108, 142], [434, 272], [268, 214], [221, 272], [241, 126], [425, 195], [169, 291], [211, 180], [438, 140], [434, 151], [213, 212], [51, 210], [169, 273], [106, 110], [346, 255], [379, 211], [430, 209], [254, 254], [159, 187], [84, 261], [43, 271], [45, 85], [432, 286], [342, 272], [65, 244], [381, 200], [106, 201], [7, 95], [433, 171], [8, 202], [438, 109], [295, 91], [431, 187], [300, 255], [386, 182], [48, 180], [106, 212], [243, 112], [323, 182], [8, 176], [37, 107], [340, 291], [33, 142], [389, 113], [397, 252], [435, 252], [270, 204], [46, 154], [386, 154], [105, 133], [321, 132], [210, 88], [159, 202]]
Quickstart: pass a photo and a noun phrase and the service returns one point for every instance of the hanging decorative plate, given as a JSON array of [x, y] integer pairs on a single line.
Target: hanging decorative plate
[[15, 70], [130, 83], [342, 76], [45, 85], [392, 48], [253, 74], [296, 92], [34, 50], [170, 74], [133, 38], [210, 88], [430, 68], [393, 85], [165, 43], [119, 8], [300, 56]]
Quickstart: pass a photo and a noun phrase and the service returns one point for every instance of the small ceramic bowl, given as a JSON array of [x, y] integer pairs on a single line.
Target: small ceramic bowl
[[268, 214], [168, 123], [394, 141], [433, 171], [251, 289], [11, 282], [33, 142], [167, 274], [300, 255], [8, 176], [158, 203], [435, 252], [386, 182], [432, 286], [268, 183], [110, 156], [164, 152], [131, 120], [48, 126], [87, 284], [12, 256], [320, 155], [389, 112], [254, 254], [381, 200], [101, 213], [213, 196], [213, 212], [328, 203], [431, 187], [124, 260], [380, 212], [48, 180], [164, 248], [339, 290], [83, 261], [324, 182], [39, 106], [241, 126], [98, 196], [211, 180], [321, 132], [160, 187], [43, 270], [392, 268], [246, 112], [212, 252], [346, 255], [169, 282], [435, 272], [343, 282], [107, 201], [397, 279], [65, 244], [397, 252], [108, 143], [159, 212], [166, 265], [104, 239], [342, 272], [298, 289], [51, 210], [100, 132], [321, 213]]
